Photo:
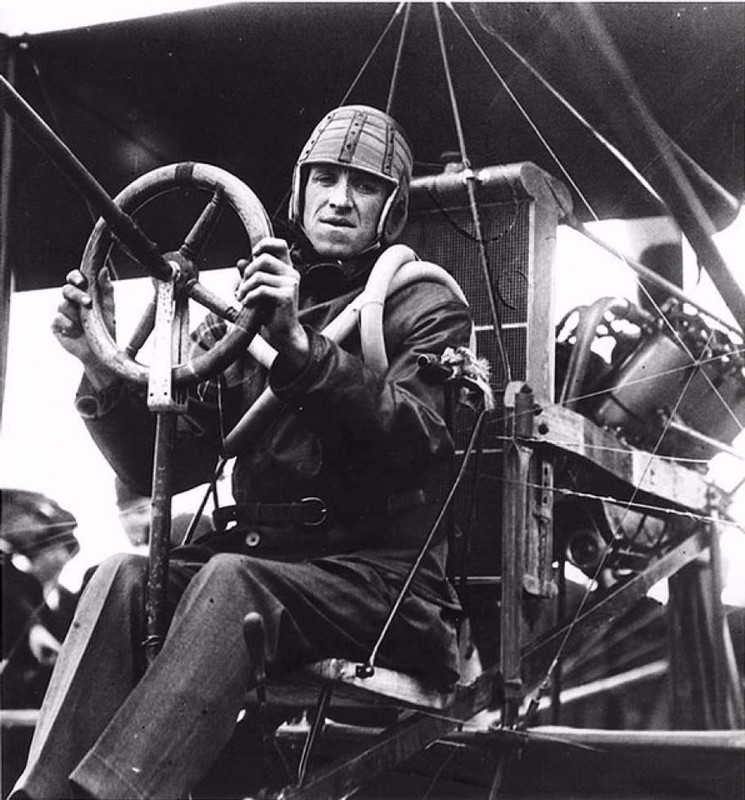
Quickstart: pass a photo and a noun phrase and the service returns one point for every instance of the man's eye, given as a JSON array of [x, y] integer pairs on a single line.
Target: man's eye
[[324, 178], [366, 186]]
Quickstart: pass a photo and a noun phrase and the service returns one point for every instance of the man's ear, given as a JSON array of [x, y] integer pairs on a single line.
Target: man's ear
[[396, 218]]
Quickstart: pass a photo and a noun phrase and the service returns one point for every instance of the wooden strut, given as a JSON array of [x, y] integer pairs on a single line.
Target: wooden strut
[[592, 622], [160, 534]]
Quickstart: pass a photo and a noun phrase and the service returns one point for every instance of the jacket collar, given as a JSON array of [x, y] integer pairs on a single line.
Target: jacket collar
[[324, 279]]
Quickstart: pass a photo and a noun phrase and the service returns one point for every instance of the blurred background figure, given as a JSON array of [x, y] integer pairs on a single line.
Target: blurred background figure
[[37, 540], [134, 515]]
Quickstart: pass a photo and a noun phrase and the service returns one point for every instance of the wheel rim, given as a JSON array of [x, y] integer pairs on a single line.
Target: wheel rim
[[227, 190]]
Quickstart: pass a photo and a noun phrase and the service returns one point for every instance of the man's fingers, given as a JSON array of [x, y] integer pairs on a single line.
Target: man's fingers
[[76, 296], [271, 254], [267, 262], [62, 325], [273, 247], [253, 279], [270, 279], [278, 296], [76, 278]]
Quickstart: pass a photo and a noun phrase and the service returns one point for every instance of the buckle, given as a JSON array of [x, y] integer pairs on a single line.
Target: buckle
[[319, 507]]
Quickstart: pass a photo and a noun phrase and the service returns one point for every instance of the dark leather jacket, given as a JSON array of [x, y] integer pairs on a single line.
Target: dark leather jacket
[[343, 433]]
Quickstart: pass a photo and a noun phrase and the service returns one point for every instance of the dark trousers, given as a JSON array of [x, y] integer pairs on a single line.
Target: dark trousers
[[120, 731]]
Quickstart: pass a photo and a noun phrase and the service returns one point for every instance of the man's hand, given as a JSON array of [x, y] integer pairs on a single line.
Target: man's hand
[[43, 645], [68, 328], [270, 282]]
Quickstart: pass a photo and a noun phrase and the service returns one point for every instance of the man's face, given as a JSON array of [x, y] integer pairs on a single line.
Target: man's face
[[342, 208]]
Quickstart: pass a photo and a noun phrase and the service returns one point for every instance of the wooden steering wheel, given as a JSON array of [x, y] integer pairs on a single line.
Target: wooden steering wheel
[[226, 190]]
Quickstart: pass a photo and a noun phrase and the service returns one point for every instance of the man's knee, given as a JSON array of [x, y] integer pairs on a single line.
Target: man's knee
[[232, 579], [122, 570], [223, 570]]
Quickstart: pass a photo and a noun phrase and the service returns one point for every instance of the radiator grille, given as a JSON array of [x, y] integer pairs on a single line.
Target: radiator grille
[[441, 230]]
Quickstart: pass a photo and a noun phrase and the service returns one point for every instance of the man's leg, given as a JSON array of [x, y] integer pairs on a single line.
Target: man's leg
[[99, 664], [173, 724], [172, 727]]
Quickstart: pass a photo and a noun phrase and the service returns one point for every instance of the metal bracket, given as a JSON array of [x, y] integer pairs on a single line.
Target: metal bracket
[[169, 335]]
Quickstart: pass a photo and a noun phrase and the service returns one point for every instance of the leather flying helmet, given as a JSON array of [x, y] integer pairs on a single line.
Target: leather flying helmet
[[367, 139]]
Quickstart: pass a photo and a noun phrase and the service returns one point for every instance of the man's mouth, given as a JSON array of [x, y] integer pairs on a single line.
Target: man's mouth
[[337, 222]]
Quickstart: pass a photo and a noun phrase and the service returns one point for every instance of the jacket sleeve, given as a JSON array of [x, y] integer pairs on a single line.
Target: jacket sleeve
[[123, 429], [395, 418]]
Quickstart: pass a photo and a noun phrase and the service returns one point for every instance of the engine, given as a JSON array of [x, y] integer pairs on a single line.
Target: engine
[[674, 385]]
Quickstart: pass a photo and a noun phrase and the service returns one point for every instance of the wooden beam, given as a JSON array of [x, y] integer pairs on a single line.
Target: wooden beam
[[593, 622], [643, 473]]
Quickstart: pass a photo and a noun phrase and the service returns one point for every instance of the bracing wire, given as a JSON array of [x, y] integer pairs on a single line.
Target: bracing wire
[[397, 65], [525, 114], [470, 180], [568, 106], [372, 53]]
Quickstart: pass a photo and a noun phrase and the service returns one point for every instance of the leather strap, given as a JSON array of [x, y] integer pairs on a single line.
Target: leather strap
[[310, 511]]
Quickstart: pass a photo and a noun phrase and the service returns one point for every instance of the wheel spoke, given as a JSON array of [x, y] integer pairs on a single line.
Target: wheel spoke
[[207, 298], [198, 235], [143, 330]]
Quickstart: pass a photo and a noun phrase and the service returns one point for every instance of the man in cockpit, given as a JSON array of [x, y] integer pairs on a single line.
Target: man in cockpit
[[324, 574]]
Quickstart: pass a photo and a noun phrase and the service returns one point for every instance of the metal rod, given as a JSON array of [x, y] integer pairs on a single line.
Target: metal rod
[[125, 228], [397, 65], [160, 534], [316, 728], [211, 490], [718, 624]]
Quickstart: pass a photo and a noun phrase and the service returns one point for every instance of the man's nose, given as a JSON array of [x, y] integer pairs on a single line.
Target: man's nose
[[340, 193]]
